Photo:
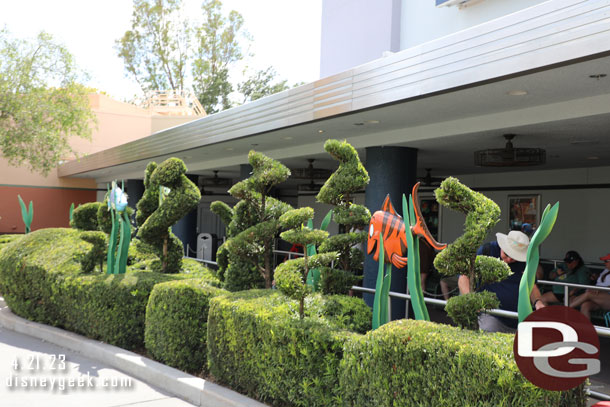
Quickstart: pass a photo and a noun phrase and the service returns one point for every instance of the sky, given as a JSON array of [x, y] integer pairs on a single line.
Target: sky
[[286, 35]]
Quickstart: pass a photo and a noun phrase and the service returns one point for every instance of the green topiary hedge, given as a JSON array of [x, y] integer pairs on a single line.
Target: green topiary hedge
[[419, 363], [84, 216], [41, 279], [258, 345], [176, 323]]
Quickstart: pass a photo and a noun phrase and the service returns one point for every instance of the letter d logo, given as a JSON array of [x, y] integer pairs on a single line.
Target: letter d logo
[[556, 348]]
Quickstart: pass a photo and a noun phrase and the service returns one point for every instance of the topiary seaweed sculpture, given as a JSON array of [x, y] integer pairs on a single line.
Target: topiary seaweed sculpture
[[482, 214], [291, 275], [338, 190], [254, 225], [168, 196]]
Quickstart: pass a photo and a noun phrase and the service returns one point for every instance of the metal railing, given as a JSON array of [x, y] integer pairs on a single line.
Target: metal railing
[[566, 288], [601, 331]]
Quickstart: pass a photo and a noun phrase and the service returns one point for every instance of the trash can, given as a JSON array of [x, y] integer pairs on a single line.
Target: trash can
[[206, 246]]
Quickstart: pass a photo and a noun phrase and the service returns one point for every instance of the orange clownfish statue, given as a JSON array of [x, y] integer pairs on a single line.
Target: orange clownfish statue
[[391, 226]]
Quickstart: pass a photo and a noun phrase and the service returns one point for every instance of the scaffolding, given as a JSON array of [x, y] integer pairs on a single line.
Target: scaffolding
[[173, 103]]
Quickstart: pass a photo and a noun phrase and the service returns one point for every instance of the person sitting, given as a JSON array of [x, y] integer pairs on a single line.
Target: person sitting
[[573, 270], [512, 249], [593, 299]]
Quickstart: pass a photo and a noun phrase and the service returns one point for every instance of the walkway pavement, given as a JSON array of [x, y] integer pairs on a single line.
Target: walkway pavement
[[42, 365], [37, 373]]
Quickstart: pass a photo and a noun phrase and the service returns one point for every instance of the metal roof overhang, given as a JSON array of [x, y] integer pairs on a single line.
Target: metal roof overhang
[[536, 40]]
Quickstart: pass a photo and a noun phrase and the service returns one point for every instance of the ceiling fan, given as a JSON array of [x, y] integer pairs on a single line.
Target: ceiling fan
[[428, 180], [214, 182], [509, 156], [312, 174]]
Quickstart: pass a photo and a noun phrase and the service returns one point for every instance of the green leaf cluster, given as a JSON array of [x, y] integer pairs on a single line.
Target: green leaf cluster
[[84, 216], [41, 279], [253, 227], [349, 178], [42, 103], [155, 219], [291, 276], [176, 323], [419, 363], [258, 346], [464, 310], [482, 214]]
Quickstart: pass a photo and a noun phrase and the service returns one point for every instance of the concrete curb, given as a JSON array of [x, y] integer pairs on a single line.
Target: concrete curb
[[187, 387]]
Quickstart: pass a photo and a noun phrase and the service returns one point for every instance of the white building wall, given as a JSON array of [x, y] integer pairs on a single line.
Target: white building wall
[[581, 217], [422, 21], [357, 31]]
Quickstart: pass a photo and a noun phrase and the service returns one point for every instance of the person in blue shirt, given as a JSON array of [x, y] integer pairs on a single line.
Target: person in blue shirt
[[512, 249]]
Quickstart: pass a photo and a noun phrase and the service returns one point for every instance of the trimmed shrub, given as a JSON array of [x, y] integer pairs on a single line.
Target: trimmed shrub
[[253, 225], [42, 280], [176, 323], [419, 363], [6, 239], [156, 214], [84, 216], [349, 178], [97, 254], [460, 257], [258, 345]]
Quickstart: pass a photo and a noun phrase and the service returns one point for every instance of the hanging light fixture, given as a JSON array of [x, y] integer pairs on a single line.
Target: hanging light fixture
[[509, 156]]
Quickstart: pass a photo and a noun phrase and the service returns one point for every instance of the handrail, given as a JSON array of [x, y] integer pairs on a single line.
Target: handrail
[[573, 285], [555, 262], [601, 331]]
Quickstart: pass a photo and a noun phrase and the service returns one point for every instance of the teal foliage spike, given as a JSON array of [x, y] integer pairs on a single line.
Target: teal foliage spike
[[313, 277], [413, 263], [382, 290], [26, 215], [120, 233], [549, 216], [71, 212]]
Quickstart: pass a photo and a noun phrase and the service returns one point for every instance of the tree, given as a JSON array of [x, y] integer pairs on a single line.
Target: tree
[[349, 178], [155, 50], [460, 257], [260, 84], [254, 225], [41, 102], [291, 276], [217, 48], [165, 50]]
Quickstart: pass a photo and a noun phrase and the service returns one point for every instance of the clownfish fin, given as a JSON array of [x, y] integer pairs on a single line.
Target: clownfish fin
[[398, 261], [420, 228], [387, 206]]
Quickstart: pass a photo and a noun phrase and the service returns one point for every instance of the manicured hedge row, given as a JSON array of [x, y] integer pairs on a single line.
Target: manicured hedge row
[[418, 363], [42, 280], [176, 323], [258, 345]]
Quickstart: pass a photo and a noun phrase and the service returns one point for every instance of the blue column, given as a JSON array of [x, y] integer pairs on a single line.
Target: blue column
[[392, 171], [186, 228]]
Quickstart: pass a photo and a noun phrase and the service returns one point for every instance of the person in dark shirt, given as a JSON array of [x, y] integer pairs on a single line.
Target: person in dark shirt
[[512, 249]]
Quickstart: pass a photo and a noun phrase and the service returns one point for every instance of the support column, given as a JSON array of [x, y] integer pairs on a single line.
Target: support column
[[135, 191], [392, 171], [186, 228]]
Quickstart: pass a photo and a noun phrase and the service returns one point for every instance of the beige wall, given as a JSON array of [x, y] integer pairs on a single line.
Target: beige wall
[[117, 123]]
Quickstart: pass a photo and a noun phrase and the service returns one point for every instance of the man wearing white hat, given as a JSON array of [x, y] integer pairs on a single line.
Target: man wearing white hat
[[512, 249]]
